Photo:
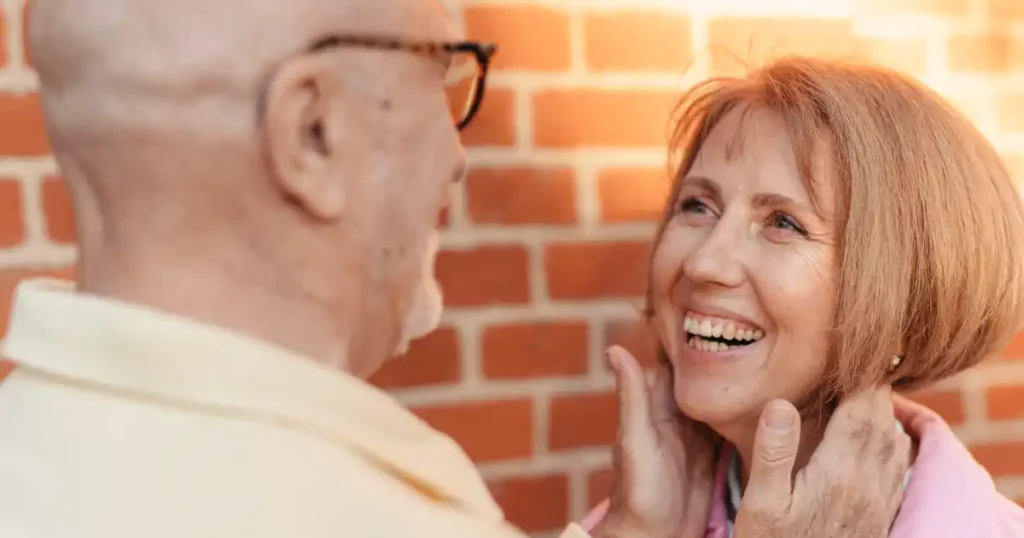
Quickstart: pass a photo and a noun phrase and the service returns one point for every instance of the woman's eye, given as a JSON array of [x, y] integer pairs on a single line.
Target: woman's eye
[[783, 221], [693, 205]]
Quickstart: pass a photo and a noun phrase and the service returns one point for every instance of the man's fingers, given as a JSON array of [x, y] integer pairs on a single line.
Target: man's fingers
[[906, 409], [635, 421], [858, 420], [775, 447]]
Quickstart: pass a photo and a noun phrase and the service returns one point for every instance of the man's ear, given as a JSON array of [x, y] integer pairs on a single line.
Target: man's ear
[[302, 130]]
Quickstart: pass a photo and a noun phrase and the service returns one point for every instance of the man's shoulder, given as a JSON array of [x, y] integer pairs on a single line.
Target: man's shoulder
[[128, 445]]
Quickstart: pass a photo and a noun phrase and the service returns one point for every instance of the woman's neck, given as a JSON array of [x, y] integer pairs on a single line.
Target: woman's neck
[[741, 436]]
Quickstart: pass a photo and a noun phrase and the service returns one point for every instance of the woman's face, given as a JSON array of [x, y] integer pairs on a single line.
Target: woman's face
[[743, 277]]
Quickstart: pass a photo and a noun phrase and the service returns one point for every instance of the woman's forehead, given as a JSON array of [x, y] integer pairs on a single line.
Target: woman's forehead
[[754, 149]]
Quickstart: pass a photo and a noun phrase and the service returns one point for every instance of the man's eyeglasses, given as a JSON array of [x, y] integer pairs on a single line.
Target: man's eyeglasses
[[467, 62]]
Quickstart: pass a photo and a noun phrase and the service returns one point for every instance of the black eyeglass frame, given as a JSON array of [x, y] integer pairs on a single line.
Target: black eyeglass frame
[[482, 53]]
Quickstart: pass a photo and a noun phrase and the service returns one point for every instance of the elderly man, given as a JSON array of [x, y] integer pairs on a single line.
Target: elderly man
[[256, 185]]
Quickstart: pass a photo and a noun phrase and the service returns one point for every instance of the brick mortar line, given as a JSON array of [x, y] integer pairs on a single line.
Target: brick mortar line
[[588, 198], [1012, 486], [502, 157], [493, 390], [596, 343], [948, 384], [537, 282], [994, 374], [601, 157], [699, 41], [530, 235], [973, 395], [38, 256], [983, 432], [588, 458], [608, 310], [578, 493], [523, 122], [537, 81], [532, 82], [28, 166], [458, 211], [12, 11], [33, 212], [470, 353], [972, 432], [901, 27], [773, 10], [577, 44], [541, 423]]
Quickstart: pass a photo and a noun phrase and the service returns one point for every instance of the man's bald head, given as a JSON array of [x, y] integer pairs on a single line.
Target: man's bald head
[[210, 150], [114, 60]]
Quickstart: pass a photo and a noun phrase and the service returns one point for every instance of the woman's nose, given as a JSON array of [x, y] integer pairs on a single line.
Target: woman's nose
[[716, 260]]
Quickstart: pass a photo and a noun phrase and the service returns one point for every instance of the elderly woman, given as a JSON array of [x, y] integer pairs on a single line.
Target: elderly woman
[[833, 228]]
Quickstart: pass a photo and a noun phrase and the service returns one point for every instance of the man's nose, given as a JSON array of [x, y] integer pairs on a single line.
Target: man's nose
[[717, 260]]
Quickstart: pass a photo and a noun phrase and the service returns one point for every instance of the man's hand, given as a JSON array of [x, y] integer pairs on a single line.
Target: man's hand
[[852, 485], [664, 468]]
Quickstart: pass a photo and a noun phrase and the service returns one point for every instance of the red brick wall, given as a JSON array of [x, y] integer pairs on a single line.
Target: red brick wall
[[546, 243]]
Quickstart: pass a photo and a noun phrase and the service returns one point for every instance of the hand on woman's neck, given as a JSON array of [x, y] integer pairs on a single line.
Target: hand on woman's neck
[[741, 436]]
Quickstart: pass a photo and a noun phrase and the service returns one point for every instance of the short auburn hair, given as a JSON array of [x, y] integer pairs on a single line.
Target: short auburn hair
[[929, 223]]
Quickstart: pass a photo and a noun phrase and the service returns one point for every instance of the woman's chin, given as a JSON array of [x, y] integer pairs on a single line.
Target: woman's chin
[[714, 405]]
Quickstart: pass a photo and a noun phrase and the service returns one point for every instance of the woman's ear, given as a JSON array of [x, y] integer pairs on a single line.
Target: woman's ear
[[302, 123]]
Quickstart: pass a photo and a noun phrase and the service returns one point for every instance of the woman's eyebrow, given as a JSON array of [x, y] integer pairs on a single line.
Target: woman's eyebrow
[[776, 200], [703, 182]]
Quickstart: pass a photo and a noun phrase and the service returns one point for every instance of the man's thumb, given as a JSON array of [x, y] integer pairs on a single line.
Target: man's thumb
[[775, 447], [635, 419]]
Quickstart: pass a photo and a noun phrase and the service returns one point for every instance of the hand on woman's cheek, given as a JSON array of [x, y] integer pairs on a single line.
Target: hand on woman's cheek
[[664, 462]]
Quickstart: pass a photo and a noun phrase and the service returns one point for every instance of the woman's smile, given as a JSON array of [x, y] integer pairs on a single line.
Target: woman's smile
[[716, 337]]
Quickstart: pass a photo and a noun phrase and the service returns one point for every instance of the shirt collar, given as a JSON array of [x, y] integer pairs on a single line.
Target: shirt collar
[[143, 353]]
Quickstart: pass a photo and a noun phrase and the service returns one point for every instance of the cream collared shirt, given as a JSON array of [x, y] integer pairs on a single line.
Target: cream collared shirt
[[124, 422]]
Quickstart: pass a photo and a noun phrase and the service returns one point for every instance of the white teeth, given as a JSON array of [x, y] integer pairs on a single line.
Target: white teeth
[[708, 346], [727, 331]]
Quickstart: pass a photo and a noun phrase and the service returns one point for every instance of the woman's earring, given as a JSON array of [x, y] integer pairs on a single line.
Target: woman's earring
[[897, 360]]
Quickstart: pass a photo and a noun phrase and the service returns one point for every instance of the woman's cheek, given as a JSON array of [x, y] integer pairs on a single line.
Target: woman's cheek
[[666, 264]]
